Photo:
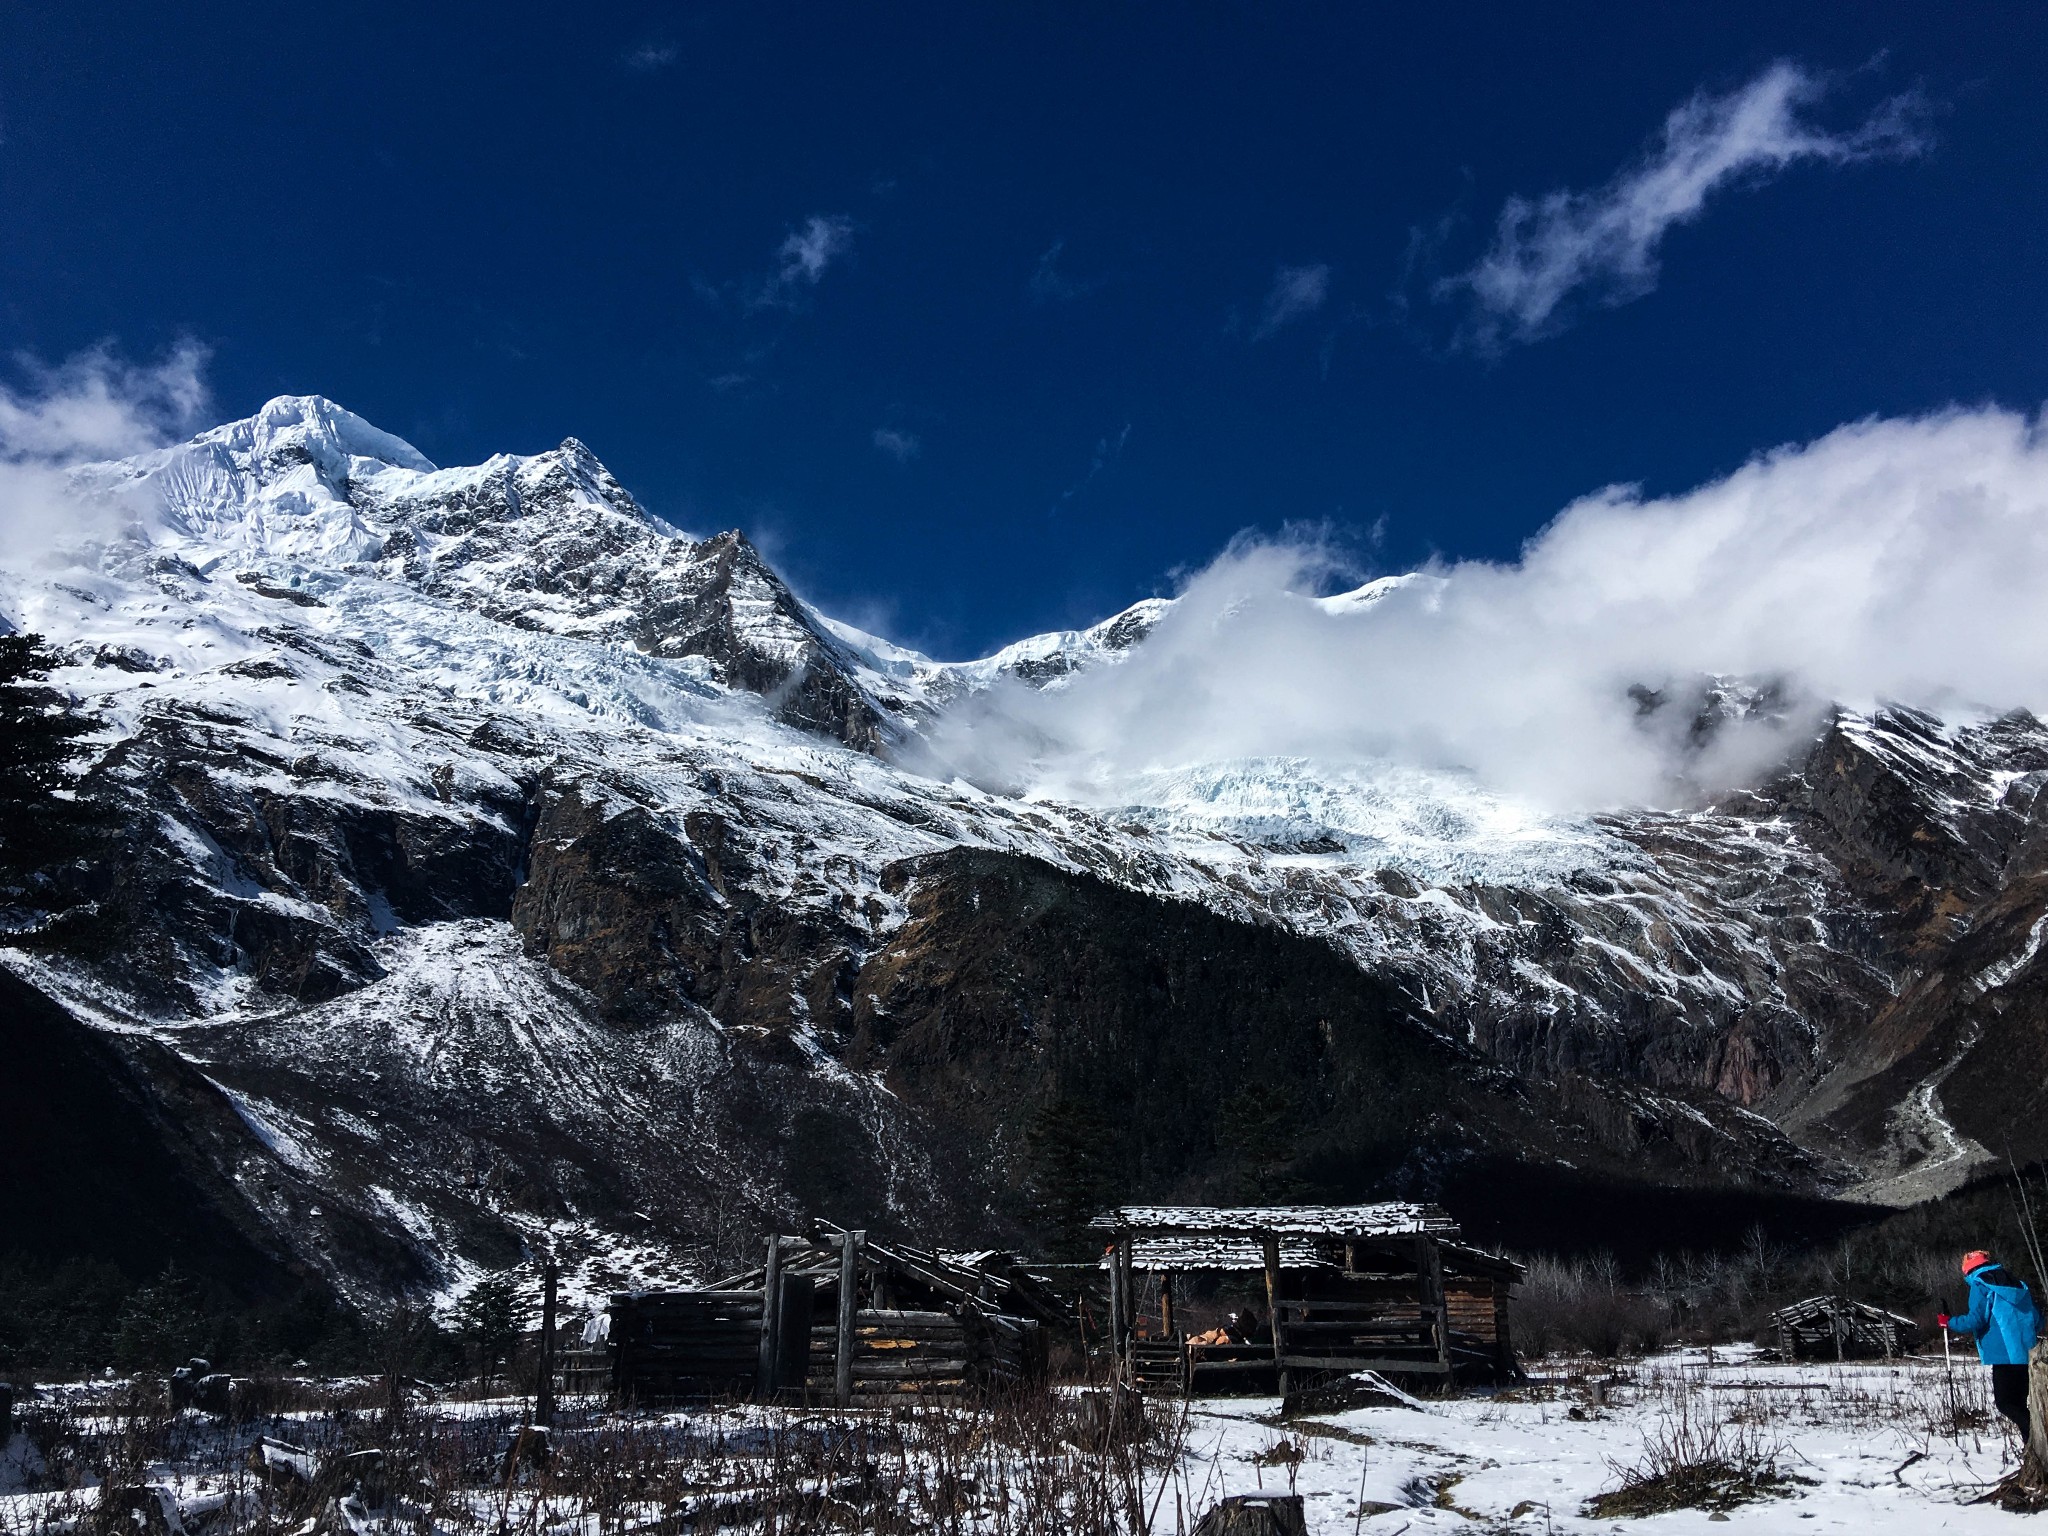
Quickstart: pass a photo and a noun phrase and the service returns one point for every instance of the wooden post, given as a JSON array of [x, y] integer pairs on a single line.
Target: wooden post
[[1503, 1343], [1166, 1305], [1123, 1264], [1271, 1244], [771, 1322], [1429, 1262], [544, 1395], [850, 1244], [1117, 1309]]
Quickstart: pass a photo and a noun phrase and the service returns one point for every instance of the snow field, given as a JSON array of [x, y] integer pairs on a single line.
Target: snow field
[[1881, 1449]]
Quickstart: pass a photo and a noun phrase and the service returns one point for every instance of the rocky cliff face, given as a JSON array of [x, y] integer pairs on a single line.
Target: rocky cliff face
[[501, 856]]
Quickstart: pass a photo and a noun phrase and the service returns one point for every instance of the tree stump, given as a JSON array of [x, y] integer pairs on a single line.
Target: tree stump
[[2027, 1489], [1256, 1514]]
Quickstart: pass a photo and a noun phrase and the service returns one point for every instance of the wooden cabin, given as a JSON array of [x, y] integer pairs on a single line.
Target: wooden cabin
[[1385, 1288], [1836, 1328], [835, 1319]]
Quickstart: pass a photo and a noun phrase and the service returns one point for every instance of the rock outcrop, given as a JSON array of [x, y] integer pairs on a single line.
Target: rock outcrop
[[499, 857]]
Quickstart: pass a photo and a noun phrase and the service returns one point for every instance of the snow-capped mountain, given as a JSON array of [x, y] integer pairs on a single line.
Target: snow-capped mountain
[[494, 855]]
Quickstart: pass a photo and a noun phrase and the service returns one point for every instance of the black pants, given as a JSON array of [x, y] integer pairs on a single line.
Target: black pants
[[2009, 1391]]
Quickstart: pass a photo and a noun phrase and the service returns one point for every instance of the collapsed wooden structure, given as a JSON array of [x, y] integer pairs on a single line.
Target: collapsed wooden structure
[[1384, 1288], [1838, 1328], [836, 1318]]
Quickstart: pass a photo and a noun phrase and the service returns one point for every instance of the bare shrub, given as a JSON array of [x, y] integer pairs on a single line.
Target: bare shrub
[[1694, 1457], [1101, 1465], [1580, 1306]]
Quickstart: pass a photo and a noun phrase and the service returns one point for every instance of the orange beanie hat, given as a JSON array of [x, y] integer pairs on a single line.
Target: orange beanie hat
[[1975, 1259]]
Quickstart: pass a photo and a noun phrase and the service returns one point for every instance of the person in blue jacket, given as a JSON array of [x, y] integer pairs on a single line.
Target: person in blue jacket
[[2005, 1322]]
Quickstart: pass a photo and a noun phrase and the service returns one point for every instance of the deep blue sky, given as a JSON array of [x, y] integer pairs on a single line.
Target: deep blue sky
[[488, 227]]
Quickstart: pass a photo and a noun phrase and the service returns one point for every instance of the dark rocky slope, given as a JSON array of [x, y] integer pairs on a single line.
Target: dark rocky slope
[[509, 858]]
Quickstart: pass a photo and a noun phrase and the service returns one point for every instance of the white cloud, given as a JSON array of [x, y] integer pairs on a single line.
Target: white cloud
[[801, 261], [651, 56], [1601, 245], [92, 406], [95, 406], [805, 255], [1900, 560], [900, 446], [1296, 292]]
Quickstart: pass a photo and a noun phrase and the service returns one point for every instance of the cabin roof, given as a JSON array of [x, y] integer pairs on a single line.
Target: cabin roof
[[1392, 1218], [1177, 1255], [1818, 1308]]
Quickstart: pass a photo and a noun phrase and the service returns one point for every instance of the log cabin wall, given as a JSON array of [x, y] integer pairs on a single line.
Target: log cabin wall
[[914, 1323], [1384, 1288], [683, 1346]]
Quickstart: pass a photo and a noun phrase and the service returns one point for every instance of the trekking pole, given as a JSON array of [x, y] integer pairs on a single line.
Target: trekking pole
[[1948, 1366]]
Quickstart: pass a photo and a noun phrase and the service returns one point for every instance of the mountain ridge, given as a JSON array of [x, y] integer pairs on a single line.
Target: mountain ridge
[[632, 824]]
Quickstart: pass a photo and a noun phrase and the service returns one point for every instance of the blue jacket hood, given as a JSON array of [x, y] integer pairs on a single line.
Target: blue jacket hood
[[2002, 1317]]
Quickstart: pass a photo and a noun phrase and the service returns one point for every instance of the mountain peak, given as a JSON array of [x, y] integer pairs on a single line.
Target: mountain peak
[[314, 428]]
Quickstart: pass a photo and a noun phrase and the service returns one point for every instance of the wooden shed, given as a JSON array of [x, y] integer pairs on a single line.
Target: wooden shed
[[1837, 1328], [835, 1319], [1385, 1288]]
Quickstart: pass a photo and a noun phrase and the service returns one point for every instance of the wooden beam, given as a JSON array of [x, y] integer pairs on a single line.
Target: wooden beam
[[1117, 1309], [544, 1396], [849, 1281], [1382, 1364], [1503, 1343], [771, 1320], [1123, 1259], [1430, 1260], [1270, 1243]]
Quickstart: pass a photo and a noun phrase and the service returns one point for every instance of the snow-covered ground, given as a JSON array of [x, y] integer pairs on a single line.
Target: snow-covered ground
[[1872, 1448], [1866, 1444]]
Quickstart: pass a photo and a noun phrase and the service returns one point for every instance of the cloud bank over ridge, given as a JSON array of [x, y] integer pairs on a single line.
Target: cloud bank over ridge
[[1895, 560], [92, 406]]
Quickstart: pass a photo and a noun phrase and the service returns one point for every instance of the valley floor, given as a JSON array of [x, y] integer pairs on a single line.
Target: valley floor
[[1873, 1448], [1885, 1450]]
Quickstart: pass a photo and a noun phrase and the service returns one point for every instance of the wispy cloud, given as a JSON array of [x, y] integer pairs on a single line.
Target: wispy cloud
[[1296, 292], [900, 446], [802, 259], [1050, 285], [807, 252], [96, 406], [92, 406], [1107, 451], [1569, 248], [650, 56]]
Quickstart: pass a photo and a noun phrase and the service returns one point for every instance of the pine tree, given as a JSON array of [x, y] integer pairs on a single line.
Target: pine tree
[[489, 1320], [1069, 1144], [1257, 1127], [40, 823], [160, 1325]]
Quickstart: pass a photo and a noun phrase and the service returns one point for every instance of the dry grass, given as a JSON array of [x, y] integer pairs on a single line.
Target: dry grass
[[1094, 1465], [1696, 1456]]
